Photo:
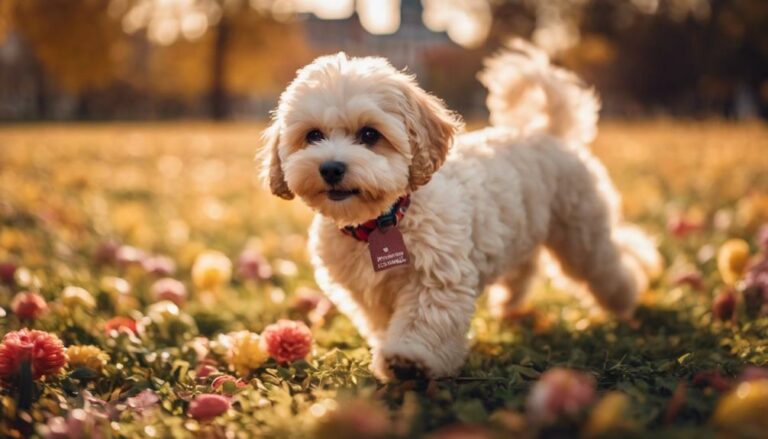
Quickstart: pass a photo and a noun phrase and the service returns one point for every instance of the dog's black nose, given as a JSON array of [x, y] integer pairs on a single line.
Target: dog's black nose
[[333, 171]]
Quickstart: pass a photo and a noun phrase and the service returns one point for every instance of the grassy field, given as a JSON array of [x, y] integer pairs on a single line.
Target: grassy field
[[72, 195]]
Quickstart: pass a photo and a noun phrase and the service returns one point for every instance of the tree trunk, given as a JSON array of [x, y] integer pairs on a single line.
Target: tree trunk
[[219, 104]]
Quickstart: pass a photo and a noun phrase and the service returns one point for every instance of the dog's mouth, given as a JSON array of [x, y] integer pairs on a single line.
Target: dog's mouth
[[341, 194]]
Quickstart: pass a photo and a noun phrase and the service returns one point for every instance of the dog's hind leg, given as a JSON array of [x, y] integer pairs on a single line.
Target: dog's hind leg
[[510, 290], [585, 237]]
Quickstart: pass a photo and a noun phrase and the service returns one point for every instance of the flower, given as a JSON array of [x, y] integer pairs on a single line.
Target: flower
[[724, 305], [144, 400], [755, 289], [559, 392], [219, 382], [680, 225], [610, 414], [762, 237], [87, 356], [357, 418], [287, 340], [121, 324], [205, 370], [77, 297], [741, 413], [211, 269], [252, 265], [43, 350], [28, 305], [753, 373], [732, 259], [245, 352], [78, 423], [106, 252], [208, 406], [159, 265], [712, 378], [692, 279], [128, 255], [8, 273], [169, 289], [163, 311]]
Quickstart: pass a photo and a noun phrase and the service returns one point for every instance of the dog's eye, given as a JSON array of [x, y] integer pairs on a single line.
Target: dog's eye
[[315, 136], [369, 136]]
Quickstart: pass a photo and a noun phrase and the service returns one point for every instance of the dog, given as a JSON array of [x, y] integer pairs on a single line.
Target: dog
[[414, 219]]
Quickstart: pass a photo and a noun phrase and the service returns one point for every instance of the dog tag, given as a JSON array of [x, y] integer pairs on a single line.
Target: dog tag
[[387, 248]]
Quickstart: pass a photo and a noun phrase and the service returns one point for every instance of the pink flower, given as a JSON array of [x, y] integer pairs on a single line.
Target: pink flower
[[146, 399], [287, 340], [560, 392], [208, 406], [43, 350], [169, 289], [8, 273], [28, 305], [252, 265], [762, 237], [204, 370], [78, 423], [159, 265], [753, 373], [121, 324], [221, 380], [128, 255]]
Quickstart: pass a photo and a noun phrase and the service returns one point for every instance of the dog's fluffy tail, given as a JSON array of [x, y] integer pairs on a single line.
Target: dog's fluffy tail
[[527, 92]]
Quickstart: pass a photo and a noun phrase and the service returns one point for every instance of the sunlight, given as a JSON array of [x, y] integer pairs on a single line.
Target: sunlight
[[379, 17]]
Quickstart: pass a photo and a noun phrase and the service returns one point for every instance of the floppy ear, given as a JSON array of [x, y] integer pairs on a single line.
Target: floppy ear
[[431, 127], [273, 171]]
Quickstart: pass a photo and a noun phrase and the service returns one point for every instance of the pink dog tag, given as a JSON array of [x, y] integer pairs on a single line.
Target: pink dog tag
[[387, 248]]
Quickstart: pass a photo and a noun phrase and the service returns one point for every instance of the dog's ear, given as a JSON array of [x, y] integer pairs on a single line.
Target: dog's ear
[[272, 171], [431, 128]]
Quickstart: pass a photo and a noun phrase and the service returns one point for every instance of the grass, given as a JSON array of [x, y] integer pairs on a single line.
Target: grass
[[179, 189]]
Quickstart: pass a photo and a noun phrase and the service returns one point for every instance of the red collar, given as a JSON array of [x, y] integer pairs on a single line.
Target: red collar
[[390, 219]]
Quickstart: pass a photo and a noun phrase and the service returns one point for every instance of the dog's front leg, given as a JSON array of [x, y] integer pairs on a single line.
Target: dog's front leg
[[426, 337]]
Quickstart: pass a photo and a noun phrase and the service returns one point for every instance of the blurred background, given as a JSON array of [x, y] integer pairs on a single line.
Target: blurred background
[[230, 59]]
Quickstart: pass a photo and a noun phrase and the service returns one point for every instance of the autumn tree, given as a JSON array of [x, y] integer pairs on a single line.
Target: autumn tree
[[78, 44]]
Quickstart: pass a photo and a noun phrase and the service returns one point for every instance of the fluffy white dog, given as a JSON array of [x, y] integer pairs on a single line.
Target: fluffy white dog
[[360, 143]]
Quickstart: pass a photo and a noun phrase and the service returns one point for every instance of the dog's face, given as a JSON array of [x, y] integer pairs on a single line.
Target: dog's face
[[351, 135]]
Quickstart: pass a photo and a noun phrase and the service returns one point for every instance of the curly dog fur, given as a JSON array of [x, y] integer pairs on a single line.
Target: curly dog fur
[[483, 203]]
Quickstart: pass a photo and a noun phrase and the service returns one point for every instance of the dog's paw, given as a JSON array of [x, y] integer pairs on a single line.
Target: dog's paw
[[408, 361], [405, 369]]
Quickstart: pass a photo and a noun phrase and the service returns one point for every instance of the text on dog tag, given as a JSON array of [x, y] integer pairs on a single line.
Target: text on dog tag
[[387, 248]]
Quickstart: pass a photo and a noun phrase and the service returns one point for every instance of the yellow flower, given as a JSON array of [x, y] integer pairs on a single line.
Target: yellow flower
[[87, 356], [742, 411], [245, 352], [211, 269], [732, 259], [610, 414], [77, 297]]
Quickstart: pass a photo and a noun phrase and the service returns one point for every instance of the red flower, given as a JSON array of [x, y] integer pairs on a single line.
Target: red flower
[[28, 305], [7, 272], [712, 378], [287, 340], [724, 305], [207, 406], [120, 323], [43, 350]]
